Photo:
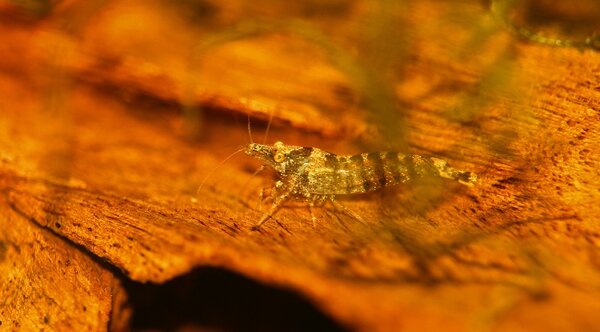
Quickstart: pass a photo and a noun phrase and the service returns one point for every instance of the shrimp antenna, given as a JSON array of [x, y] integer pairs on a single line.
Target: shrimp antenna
[[268, 127], [249, 130], [216, 167]]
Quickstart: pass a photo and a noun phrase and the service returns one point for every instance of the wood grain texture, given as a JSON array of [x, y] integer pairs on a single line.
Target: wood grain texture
[[97, 155], [48, 284]]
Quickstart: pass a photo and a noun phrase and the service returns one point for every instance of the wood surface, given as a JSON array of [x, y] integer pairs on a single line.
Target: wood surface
[[113, 113]]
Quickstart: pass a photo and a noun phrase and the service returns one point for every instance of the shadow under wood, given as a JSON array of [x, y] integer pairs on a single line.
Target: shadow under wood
[[216, 299]]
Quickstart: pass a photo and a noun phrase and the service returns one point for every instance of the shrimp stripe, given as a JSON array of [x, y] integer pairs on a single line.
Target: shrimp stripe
[[378, 173], [331, 162]]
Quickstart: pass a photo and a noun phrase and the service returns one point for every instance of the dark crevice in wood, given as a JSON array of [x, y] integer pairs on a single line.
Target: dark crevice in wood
[[220, 300]]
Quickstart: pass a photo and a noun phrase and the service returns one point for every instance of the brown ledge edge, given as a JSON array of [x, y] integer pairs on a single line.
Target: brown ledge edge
[[205, 297]]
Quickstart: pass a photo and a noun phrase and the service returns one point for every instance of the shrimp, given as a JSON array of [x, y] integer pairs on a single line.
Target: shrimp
[[314, 175]]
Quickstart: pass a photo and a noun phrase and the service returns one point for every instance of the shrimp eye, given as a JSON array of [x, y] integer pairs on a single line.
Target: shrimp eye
[[279, 157]]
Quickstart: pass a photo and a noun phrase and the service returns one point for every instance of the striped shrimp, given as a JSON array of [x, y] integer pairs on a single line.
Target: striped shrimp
[[313, 175]]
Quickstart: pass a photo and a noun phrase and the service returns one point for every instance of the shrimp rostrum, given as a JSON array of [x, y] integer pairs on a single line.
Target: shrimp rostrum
[[314, 175]]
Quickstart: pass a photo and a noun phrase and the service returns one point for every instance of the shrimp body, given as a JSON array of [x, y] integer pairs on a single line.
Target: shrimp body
[[313, 174]]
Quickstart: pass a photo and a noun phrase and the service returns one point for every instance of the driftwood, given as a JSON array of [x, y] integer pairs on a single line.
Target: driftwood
[[99, 174], [49, 283]]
